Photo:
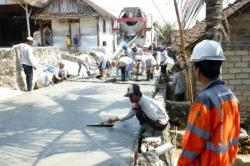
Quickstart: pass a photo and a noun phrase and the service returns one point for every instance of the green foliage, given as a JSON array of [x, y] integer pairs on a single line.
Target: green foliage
[[163, 32]]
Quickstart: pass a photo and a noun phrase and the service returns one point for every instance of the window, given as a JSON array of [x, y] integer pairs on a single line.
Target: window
[[104, 25]]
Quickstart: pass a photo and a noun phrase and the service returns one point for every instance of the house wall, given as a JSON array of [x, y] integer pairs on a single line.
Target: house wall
[[236, 74], [236, 69], [60, 30], [240, 29], [88, 33], [106, 36]]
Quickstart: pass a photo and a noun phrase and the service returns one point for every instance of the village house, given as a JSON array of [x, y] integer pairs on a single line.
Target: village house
[[236, 68], [82, 18], [13, 28]]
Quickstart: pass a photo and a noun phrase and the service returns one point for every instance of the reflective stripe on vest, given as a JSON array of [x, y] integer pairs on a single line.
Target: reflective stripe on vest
[[189, 154], [223, 148], [202, 133]]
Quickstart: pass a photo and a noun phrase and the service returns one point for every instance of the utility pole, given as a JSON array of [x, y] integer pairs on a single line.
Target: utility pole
[[184, 51]]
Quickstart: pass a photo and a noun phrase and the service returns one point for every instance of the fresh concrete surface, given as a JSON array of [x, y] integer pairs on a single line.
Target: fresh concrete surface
[[47, 127]]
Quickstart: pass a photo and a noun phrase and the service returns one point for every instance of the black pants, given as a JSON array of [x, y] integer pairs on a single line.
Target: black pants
[[142, 117], [179, 97], [123, 72], [28, 70]]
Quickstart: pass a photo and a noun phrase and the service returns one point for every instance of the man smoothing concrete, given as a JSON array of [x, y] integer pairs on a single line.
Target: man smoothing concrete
[[152, 116]]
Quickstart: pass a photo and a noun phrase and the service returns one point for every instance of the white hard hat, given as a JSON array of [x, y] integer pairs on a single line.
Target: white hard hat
[[207, 50], [30, 38]]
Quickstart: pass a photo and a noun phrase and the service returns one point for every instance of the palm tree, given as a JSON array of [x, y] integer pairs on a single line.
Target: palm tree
[[214, 16], [214, 13], [163, 32]]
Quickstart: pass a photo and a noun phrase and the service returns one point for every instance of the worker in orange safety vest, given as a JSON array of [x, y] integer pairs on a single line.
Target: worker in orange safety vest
[[212, 132]]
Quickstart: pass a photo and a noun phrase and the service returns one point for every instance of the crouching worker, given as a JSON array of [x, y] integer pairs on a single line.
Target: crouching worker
[[101, 61], [152, 117], [61, 73]]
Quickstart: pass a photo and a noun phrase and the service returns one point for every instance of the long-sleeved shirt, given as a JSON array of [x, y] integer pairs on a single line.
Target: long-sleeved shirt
[[213, 128], [26, 54], [152, 109], [179, 82]]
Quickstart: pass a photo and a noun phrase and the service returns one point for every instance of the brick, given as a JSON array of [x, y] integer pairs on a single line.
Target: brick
[[245, 93], [248, 98], [226, 82], [237, 93], [241, 64], [242, 76], [245, 58], [231, 87], [228, 76], [245, 70], [229, 53], [246, 82], [242, 98], [242, 52], [235, 82], [225, 70], [245, 104], [241, 87], [235, 70], [229, 64], [234, 59]]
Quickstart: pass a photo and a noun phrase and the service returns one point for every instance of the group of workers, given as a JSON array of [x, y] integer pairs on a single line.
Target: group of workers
[[213, 127]]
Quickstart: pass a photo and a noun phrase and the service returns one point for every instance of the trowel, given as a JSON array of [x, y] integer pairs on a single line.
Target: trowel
[[103, 124]]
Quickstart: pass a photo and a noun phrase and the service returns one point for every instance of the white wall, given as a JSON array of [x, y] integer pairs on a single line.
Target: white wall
[[107, 36], [60, 29], [88, 33]]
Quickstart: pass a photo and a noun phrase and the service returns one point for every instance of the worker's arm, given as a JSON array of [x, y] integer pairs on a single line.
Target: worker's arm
[[196, 134], [113, 119]]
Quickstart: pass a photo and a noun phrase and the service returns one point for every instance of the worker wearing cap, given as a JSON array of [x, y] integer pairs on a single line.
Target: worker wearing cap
[[27, 60], [213, 127], [150, 114]]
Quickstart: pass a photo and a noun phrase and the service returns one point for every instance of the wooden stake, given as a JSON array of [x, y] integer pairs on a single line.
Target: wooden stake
[[184, 51]]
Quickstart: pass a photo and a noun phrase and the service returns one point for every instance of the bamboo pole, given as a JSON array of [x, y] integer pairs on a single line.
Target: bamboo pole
[[184, 51]]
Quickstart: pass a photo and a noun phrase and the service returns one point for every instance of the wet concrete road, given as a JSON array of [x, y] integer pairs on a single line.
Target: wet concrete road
[[47, 127]]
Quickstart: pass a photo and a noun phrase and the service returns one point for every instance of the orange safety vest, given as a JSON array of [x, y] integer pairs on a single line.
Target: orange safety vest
[[212, 133]]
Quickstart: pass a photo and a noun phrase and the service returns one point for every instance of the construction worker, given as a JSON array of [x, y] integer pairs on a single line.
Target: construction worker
[[124, 63], [151, 115], [27, 60], [178, 83], [101, 60], [213, 127]]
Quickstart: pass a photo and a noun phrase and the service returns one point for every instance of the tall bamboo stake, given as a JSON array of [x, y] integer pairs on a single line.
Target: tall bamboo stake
[[184, 51]]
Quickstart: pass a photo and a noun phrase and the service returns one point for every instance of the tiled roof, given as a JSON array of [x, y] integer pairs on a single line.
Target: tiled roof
[[198, 31], [98, 9], [36, 3]]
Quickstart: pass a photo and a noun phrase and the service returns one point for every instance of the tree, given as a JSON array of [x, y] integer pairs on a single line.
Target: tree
[[214, 13], [214, 16], [25, 5], [163, 32]]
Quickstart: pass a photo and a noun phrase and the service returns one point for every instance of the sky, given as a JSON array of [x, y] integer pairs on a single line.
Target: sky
[[161, 10]]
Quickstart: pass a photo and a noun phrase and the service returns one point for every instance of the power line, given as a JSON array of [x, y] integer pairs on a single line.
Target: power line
[[159, 11]]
